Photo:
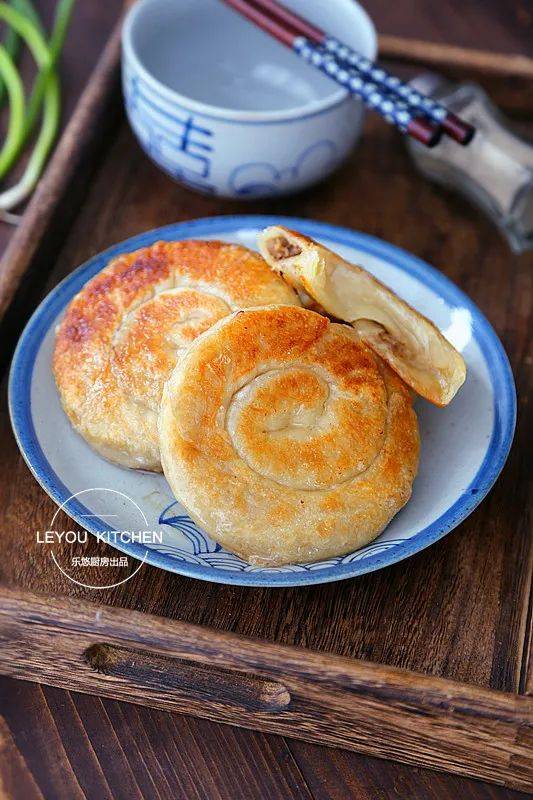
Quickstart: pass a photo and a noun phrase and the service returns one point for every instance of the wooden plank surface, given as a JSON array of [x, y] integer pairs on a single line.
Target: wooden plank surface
[[469, 622], [377, 710], [104, 748], [479, 24], [445, 56]]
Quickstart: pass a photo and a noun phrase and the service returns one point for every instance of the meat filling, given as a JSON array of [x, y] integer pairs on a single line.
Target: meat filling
[[280, 248]]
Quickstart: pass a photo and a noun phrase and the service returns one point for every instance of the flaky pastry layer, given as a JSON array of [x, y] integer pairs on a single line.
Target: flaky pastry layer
[[123, 333]]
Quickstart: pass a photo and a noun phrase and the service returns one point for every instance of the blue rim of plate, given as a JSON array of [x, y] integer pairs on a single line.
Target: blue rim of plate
[[500, 373]]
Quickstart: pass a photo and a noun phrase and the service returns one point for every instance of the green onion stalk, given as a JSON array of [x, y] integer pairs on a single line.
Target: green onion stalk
[[45, 94], [17, 103], [12, 40]]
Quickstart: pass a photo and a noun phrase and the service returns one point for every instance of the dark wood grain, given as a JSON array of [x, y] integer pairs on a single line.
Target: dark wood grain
[[105, 749], [373, 709], [174, 756], [415, 51], [483, 24], [343, 775], [167, 676]]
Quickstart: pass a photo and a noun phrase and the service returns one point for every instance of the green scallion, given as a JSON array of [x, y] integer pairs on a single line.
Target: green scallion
[[45, 95]]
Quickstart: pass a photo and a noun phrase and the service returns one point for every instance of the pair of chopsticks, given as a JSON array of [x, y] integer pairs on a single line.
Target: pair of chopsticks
[[410, 111]]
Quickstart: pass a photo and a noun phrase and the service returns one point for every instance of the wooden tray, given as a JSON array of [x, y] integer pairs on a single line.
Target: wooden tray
[[426, 662]]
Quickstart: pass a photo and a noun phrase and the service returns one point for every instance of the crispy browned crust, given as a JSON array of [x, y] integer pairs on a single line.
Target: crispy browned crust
[[122, 334], [286, 438]]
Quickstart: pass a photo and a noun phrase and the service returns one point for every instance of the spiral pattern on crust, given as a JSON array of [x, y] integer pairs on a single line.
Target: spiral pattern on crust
[[123, 333], [286, 437]]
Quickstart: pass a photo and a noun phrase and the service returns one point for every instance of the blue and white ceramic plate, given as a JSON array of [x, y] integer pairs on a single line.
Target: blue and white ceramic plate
[[464, 446]]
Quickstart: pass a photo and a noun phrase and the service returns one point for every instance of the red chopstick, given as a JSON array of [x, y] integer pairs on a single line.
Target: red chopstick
[[293, 20], [394, 109], [286, 26], [269, 21]]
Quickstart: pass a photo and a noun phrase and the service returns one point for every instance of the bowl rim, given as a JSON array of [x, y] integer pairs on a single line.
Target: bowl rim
[[129, 54]]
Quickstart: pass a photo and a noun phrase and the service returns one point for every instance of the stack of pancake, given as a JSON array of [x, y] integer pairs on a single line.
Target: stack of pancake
[[287, 433]]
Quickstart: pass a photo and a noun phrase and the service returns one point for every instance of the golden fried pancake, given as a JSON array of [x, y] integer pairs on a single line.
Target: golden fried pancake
[[123, 333], [409, 342], [286, 438]]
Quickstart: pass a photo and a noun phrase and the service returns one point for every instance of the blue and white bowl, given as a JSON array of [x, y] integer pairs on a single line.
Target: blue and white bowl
[[464, 446], [225, 109]]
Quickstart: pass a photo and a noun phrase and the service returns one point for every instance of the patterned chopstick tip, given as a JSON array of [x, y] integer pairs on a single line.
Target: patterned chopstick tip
[[385, 80], [453, 126], [394, 109]]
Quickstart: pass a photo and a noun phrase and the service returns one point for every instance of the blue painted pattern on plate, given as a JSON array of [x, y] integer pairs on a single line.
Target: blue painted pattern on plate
[[198, 548]]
